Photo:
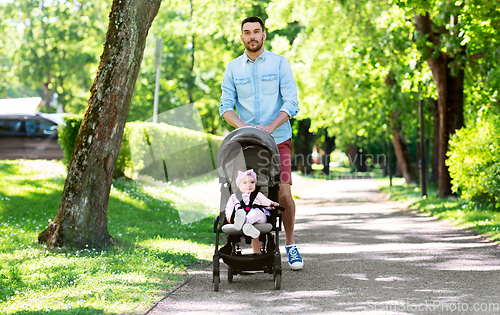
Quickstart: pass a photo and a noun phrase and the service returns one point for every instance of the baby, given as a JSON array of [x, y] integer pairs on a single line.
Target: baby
[[246, 213]]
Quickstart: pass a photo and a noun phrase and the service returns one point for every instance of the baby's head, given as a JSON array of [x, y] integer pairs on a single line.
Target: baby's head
[[246, 181]]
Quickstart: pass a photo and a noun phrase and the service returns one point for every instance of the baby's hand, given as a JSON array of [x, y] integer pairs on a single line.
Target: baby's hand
[[274, 204]]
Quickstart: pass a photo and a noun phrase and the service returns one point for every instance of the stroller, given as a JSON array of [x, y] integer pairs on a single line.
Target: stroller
[[248, 148]]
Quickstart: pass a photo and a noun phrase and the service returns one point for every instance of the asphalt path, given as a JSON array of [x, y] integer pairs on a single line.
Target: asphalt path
[[362, 254]]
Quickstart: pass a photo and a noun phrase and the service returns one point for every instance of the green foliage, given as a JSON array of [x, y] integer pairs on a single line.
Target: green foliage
[[199, 39], [124, 159], [67, 138], [68, 134], [343, 54], [340, 157], [10, 85], [199, 159], [149, 255], [466, 31], [184, 153], [57, 47], [54, 47], [341, 59], [474, 162]]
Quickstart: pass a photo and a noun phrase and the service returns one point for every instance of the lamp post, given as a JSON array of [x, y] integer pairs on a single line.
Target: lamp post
[[423, 164], [158, 49], [389, 166]]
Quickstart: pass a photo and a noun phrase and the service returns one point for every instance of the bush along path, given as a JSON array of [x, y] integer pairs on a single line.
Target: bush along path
[[151, 253], [362, 253]]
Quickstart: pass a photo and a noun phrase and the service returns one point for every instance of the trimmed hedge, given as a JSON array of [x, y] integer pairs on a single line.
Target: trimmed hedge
[[474, 162], [150, 148], [68, 134], [168, 153]]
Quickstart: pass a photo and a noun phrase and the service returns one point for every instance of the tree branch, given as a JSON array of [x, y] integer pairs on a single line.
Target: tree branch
[[477, 56]]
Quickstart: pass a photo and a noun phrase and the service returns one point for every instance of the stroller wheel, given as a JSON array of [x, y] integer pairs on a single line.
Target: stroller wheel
[[230, 274], [277, 281], [216, 283], [216, 271]]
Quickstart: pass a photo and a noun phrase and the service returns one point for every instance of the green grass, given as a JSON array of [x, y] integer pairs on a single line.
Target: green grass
[[342, 172], [481, 220], [151, 253]]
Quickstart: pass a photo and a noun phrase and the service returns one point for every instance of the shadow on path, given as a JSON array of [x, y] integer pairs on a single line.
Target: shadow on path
[[362, 254]]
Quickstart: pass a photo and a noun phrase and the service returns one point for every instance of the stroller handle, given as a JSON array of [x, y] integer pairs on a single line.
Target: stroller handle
[[279, 208]]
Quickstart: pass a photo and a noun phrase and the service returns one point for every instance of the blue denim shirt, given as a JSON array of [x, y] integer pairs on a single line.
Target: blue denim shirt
[[260, 89]]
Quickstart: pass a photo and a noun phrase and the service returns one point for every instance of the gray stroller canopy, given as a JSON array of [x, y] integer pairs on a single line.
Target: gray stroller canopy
[[249, 147]]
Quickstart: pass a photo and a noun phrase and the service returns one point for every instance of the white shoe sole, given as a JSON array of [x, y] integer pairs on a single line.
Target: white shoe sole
[[239, 219], [296, 265], [251, 231]]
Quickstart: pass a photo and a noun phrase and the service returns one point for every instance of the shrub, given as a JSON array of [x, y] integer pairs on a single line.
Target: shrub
[[68, 134], [166, 152], [186, 152], [340, 157], [124, 160], [474, 162], [67, 139]]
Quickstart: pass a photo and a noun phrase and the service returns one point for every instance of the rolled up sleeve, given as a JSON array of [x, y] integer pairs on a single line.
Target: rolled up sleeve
[[288, 89], [228, 97]]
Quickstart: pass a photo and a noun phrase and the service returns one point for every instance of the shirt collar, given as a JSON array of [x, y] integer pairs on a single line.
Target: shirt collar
[[261, 56]]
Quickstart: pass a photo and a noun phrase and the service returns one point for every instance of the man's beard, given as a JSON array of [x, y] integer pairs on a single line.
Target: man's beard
[[254, 48]]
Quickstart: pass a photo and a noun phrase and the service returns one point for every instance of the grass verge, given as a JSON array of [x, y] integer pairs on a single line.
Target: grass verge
[[482, 221], [156, 242], [341, 172]]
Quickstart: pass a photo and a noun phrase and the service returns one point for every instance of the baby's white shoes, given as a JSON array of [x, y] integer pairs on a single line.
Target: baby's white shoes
[[239, 224], [239, 219], [250, 230]]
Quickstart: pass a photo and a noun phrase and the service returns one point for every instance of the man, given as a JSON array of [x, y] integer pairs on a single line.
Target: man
[[261, 86]]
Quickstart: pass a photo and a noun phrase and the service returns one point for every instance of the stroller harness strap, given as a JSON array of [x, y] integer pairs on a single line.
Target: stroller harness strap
[[244, 206]]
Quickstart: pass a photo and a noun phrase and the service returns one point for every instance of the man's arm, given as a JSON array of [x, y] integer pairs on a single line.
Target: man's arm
[[233, 120], [228, 98], [288, 89], [278, 121]]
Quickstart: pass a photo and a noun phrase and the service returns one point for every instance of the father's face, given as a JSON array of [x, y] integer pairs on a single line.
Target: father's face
[[253, 36]]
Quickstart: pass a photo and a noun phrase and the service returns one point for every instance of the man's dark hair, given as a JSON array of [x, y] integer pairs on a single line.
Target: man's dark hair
[[251, 20]]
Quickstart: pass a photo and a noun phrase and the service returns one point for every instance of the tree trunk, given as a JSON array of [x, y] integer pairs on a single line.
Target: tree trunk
[[356, 157], [405, 160], [328, 147], [47, 95], [449, 87], [405, 166], [302, 147], [82, 216], [450, 110], [398, 172], [435, 143]]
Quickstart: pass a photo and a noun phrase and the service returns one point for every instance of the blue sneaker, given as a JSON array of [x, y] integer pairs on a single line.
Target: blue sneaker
[[294, 259]]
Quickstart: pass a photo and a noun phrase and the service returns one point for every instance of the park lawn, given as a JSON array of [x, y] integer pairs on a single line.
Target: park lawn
[[154, 245], [481, 220]]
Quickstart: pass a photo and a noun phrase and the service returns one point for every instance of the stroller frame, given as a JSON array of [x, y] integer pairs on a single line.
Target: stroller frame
[[247, 142]]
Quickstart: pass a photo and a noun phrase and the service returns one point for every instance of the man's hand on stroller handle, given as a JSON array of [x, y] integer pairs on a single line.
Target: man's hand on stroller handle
[[276, 206], [267, 129], [278, 121]]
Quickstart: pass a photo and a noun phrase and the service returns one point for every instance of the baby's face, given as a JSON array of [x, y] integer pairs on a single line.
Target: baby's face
[[247, 184]]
